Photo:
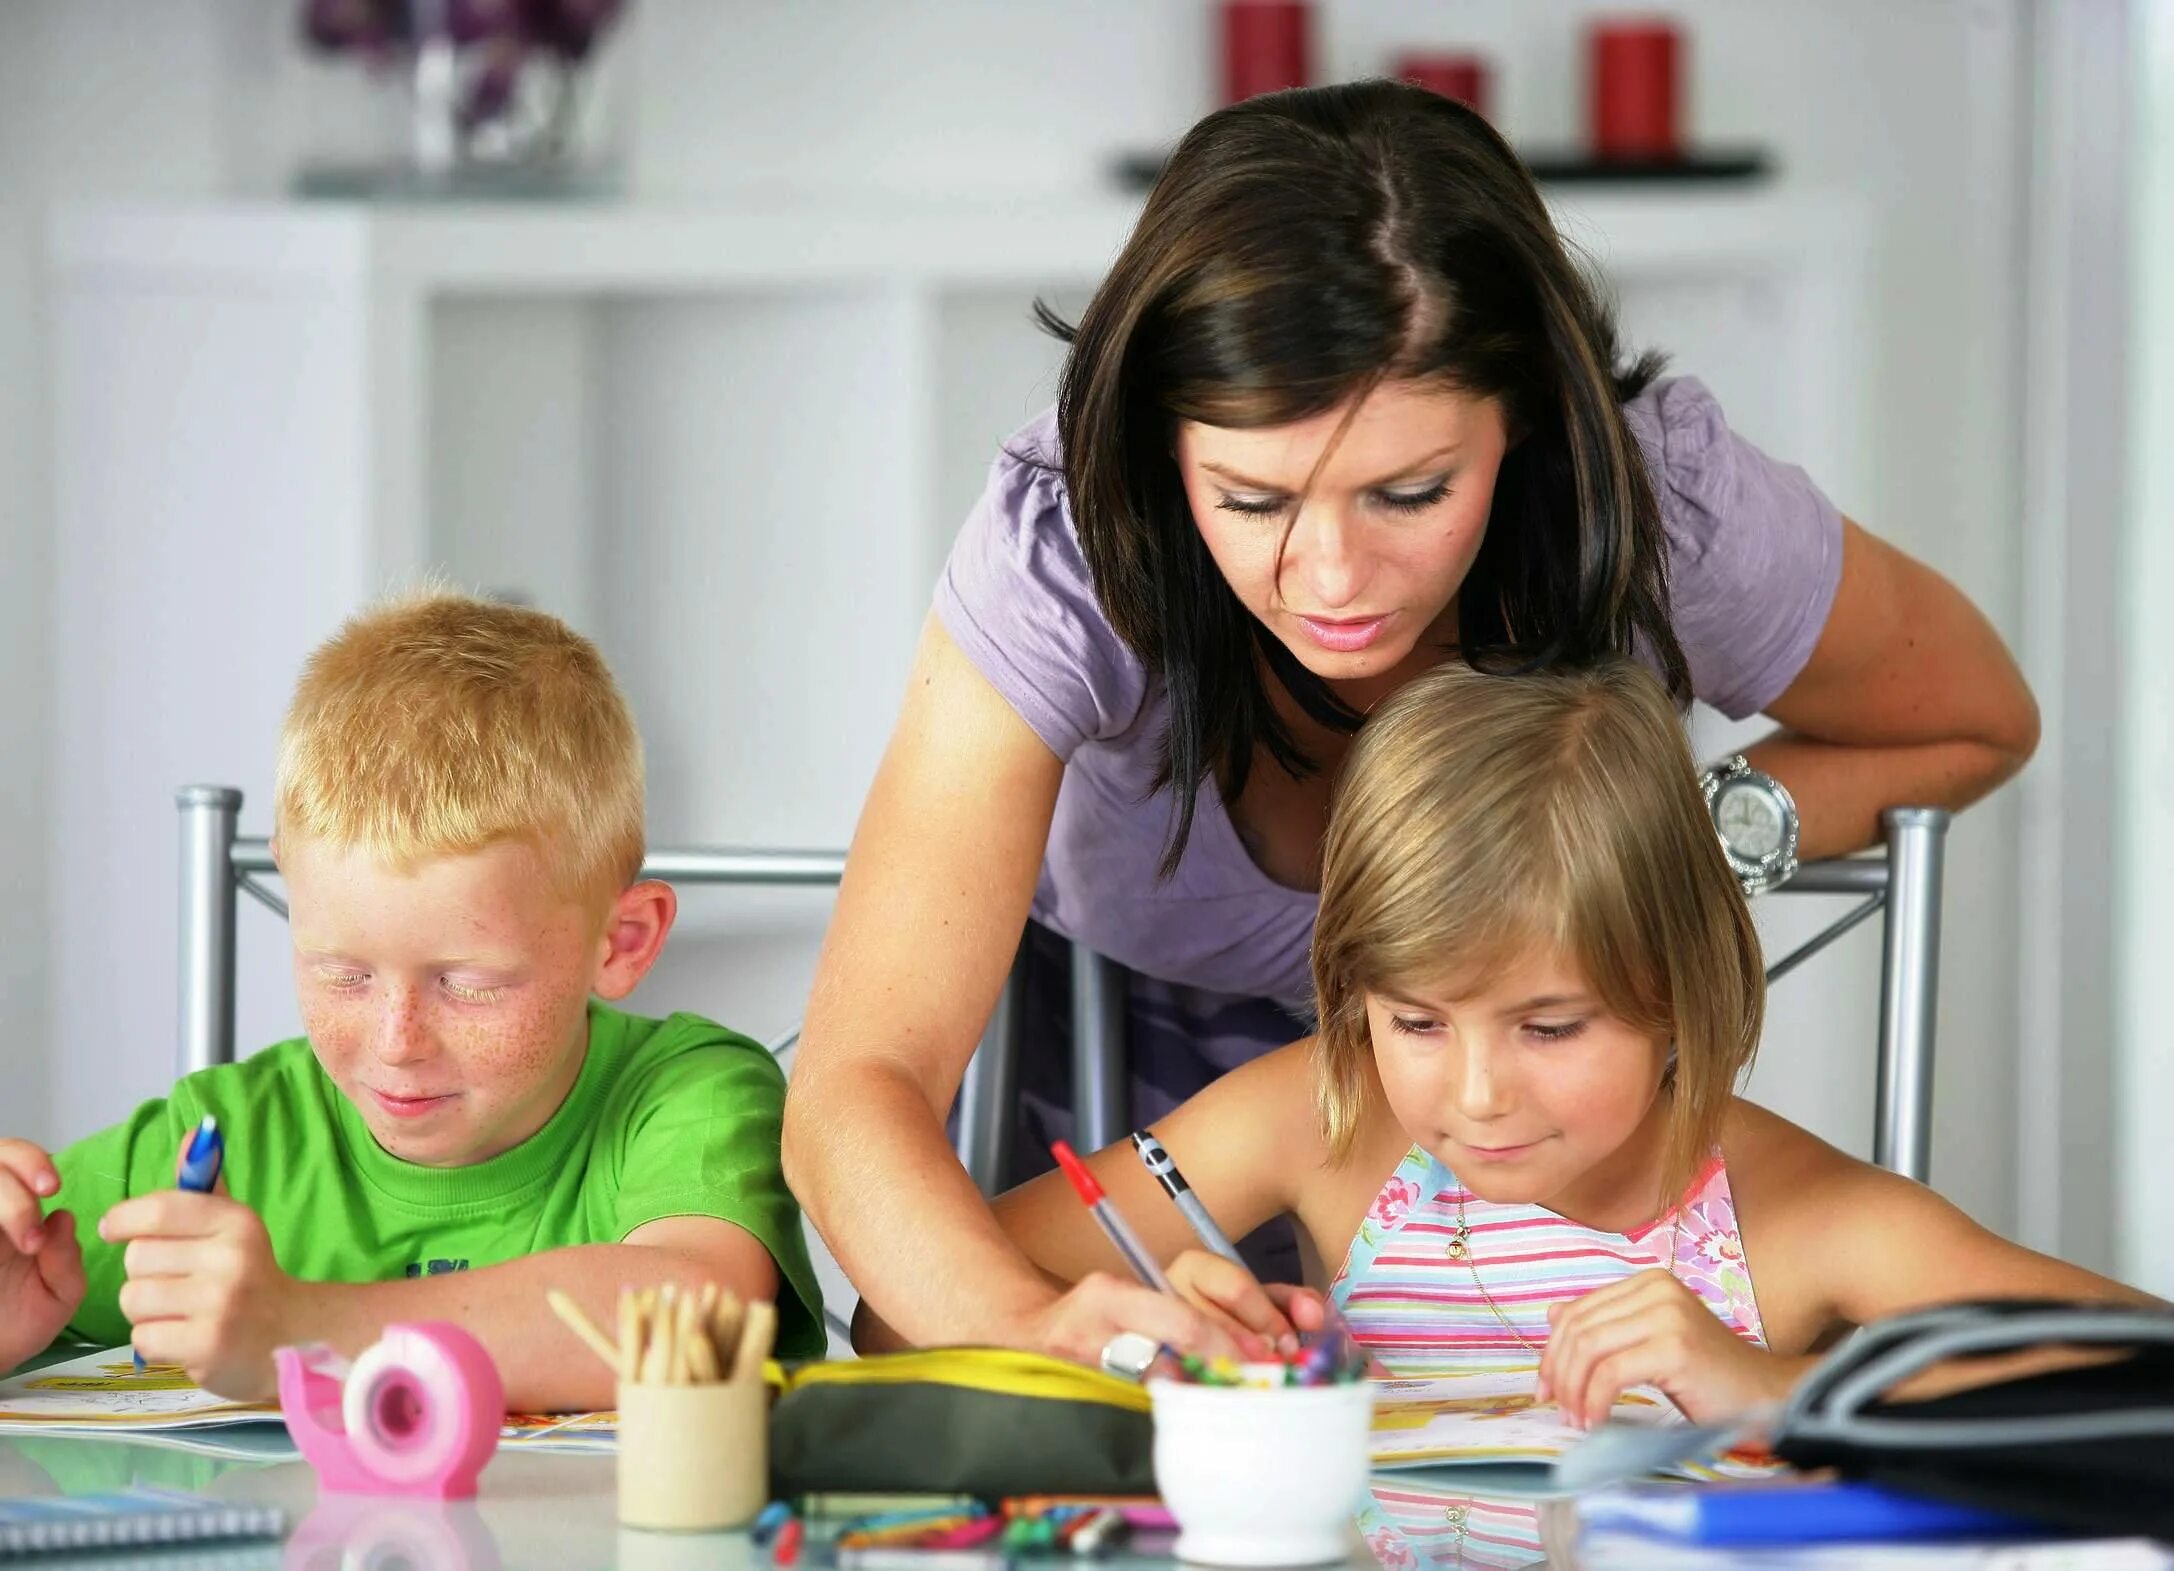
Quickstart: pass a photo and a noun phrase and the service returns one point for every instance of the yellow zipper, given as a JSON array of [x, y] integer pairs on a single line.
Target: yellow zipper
[[1002, 1370]]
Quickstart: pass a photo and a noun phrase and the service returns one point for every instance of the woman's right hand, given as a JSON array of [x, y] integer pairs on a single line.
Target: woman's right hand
[[1220, 1311], [1100, 1306]]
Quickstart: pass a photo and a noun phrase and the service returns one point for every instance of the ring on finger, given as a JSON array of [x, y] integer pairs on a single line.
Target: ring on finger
[[1129, 1354]]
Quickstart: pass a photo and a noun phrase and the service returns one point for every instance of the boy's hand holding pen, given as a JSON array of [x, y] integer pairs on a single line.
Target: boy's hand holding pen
[[204, 1289]]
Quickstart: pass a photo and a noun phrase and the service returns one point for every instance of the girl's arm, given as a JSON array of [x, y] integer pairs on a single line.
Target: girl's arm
[[1244, 1144], [1909, 699], [1890, 1245], [1899, 1246], [1241, 1144], [1829, 1241]]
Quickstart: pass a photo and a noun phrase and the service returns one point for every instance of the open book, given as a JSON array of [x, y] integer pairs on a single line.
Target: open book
[[104, 1393], [1492, 1421]]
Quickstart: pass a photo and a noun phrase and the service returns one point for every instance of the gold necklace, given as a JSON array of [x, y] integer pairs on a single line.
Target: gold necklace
[[1460, 1248]]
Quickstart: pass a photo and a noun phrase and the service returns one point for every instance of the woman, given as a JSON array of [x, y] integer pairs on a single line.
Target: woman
[[1343, 409]]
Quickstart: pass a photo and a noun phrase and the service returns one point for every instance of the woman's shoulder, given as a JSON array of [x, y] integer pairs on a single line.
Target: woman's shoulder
[[1023, 503], [1018, 599], [1754, 547]]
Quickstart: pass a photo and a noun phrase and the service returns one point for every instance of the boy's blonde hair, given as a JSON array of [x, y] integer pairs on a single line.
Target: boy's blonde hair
[[436, 724], [1481, 817]]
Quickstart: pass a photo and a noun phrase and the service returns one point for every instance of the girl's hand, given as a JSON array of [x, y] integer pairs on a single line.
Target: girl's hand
[[1651, 1330], [1264, 1320]]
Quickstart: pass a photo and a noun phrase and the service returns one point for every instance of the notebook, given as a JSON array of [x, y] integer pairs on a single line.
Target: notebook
[[1490, 1423], [127, 1518], [104, 1393]]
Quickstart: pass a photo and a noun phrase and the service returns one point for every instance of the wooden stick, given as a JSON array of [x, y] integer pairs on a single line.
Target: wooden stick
[[630, 1336], [726, 1322], [695, 1342], [682, 1354], [582, 1326], [657, 1357], [755, 1341], [668, 1331]]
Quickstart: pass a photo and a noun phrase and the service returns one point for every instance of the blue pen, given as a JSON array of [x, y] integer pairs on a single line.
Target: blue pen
[[201, 1160]]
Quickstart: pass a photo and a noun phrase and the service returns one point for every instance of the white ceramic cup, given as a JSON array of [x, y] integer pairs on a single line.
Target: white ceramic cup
[[1263, 1477]]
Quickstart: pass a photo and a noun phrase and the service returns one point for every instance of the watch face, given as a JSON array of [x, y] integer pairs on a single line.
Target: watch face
[[1749, 819]]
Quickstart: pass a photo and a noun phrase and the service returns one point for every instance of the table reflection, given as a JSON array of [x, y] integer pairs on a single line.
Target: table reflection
[[1409, 1525]]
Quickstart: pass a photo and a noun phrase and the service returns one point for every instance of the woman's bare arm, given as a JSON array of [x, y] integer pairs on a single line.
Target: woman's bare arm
[[929, 914], [1909, 699]]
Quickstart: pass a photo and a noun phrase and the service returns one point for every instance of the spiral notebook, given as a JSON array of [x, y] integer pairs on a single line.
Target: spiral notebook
[[127, 1518]]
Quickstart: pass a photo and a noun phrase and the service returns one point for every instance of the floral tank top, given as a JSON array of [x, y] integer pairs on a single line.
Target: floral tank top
[[1421, 1308]]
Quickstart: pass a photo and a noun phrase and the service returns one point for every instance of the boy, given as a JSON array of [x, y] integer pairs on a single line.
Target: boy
[[468, 1123]]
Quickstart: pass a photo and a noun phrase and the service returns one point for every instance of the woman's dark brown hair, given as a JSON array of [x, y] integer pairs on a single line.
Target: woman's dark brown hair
[[1299, 249]]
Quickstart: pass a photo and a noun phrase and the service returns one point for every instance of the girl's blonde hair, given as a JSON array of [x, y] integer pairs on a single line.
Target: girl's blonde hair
[[1479, 818], [436, 724]]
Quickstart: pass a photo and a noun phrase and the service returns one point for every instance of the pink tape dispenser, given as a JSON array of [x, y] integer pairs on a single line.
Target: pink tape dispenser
[[417, 1414]]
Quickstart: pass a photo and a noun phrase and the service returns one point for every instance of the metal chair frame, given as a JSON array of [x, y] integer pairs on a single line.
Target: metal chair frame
[[1904, 885]]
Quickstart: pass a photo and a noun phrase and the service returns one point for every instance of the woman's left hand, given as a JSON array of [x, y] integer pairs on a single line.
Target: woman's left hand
[[1651, 1330]]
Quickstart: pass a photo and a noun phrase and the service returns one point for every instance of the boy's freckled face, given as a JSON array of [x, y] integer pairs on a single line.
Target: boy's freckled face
[[448, 1001], [1522, 1087]]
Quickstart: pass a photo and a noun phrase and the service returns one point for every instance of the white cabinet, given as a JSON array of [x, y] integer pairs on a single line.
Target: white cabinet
[[731, 446]]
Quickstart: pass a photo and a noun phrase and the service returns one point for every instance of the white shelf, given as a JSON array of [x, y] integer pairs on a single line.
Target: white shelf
[[611, 249], [601, 249]]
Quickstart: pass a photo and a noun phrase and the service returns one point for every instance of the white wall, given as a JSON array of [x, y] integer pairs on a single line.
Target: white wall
[[1912, 108], [106, 97], [2145, 870]]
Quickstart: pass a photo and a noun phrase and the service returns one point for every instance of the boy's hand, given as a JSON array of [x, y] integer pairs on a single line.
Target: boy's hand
[[204, 1290], [1263, 1319], [41, 1263], [1651, 1330]]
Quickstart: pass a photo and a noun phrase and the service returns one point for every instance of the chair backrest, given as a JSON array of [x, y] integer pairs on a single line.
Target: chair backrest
[[1904, 885]]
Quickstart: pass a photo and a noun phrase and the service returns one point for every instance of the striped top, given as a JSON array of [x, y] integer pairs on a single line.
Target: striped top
[[1419, 1310]]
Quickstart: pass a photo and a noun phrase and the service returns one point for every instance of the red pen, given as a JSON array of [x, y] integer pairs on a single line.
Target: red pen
[[1142, 1263]]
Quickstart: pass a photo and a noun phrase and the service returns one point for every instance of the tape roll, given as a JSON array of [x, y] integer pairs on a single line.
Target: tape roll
[[402, 1408]]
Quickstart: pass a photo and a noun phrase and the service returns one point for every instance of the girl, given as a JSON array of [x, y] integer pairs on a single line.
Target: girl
[[1515, 1133]]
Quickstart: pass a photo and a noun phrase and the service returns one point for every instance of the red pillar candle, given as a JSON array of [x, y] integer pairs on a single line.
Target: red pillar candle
[[1636, 77], [1459, 76], [1265, 47]]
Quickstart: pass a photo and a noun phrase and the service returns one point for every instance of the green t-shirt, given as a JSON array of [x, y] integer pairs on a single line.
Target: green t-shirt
[[677, 1117]]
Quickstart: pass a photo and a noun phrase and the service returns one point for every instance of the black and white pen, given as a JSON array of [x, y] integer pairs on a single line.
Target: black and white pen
[[1166, 1173]]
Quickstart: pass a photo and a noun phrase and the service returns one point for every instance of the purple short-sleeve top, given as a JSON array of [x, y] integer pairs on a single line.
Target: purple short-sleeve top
[[1754, 556]]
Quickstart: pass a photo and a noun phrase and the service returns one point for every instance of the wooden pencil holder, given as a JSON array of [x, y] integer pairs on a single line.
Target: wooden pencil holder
[[693, 1458]]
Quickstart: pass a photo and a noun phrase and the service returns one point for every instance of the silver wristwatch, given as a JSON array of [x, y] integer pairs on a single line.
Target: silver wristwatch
[[1756, 819]]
